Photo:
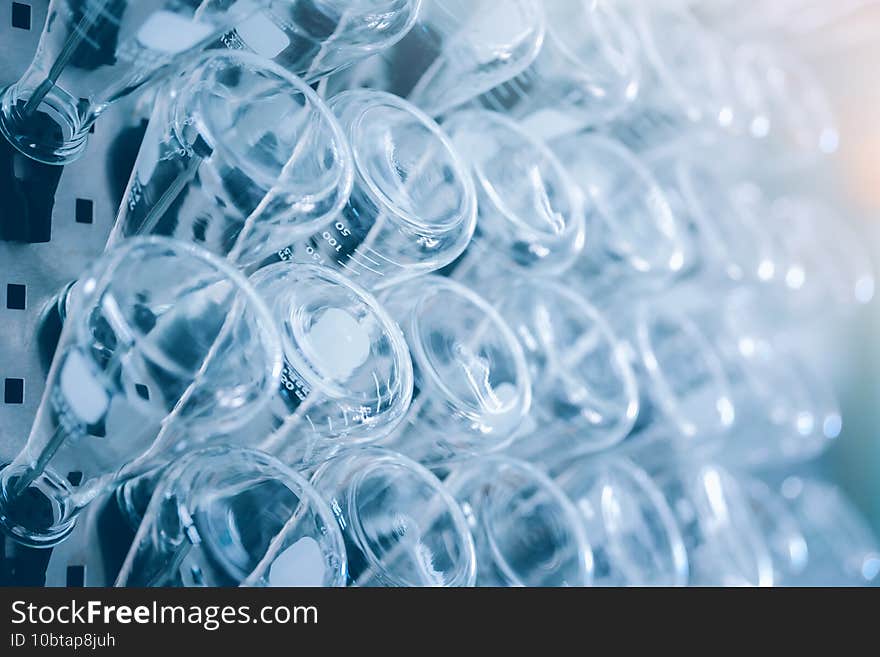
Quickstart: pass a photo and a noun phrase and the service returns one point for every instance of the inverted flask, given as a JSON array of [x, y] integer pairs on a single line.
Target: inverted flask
[[235, 517], [317, 38], [240, 157], [93, 53], [164, 346]]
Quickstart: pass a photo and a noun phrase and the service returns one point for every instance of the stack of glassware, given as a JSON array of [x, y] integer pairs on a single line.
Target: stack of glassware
[[443, 293]]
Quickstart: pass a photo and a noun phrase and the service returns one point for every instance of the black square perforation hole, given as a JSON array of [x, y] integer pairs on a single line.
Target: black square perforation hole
[[13, 391], [75, 478], [142, 391], [85, 211], [76, 576], [21, 15], [16, 296]]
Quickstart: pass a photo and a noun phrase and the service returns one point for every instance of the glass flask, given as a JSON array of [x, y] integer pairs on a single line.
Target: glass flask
[[787, 411], [413, 206], [472, 384], [235, 517], [91, 54], [527, 532], [780, 98], [730, 243], [687, 97], [457, 50], [529, 213], [347, 377], [164, 345], [722, 535], [316, 38], [685, 389], [240, 157], [633, 532], [584, 391], [635, 241], [842, 550], [587, 73], [769, 405], [400, 524]]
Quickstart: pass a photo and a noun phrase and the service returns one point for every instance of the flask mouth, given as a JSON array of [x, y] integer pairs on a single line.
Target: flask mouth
[[42, 515], [406, 164], [55, 132]]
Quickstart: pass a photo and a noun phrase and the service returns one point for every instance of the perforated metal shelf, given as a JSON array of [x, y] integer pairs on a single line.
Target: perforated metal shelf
[[31, 274]]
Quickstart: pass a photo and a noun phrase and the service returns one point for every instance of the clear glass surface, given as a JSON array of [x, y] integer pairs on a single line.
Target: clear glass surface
[[634, 240], [95, 52], [413, 206], [347, 377], [529, 213], [688, 96], [526, 531], [780, 98], [234, 517], [842, 550], [585, 394], [472, 385], [457, 50], [827, 266], [401, 526], [729, 241], [316, 38], [240, 157], [633, 532], [587, 72], [164, 345], [723, 538]]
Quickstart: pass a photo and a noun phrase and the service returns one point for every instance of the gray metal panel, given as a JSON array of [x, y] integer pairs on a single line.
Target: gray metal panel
[[45, 268]]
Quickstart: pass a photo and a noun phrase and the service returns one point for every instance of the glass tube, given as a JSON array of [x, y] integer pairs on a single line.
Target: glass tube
[[233, 517], [93, 53], [164, 345], [633, 532], [457, 50], [587, 72], [400, 524], [529, 213], [316, 38], [526, 531], [472, 384], [822, 280], [240, 157], [413, 206], [347, 377]]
